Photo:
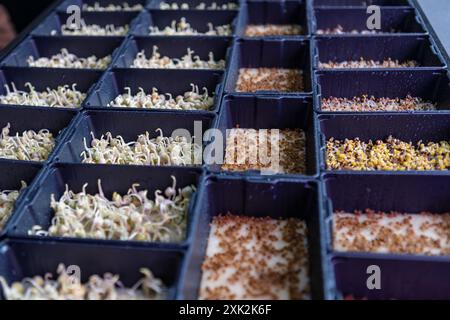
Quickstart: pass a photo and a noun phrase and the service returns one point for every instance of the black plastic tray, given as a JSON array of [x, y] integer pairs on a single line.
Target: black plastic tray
[[43, 78], [403, 20], [12, 173], [44, 46], [416, 48], [173, 47], [54, 21], [36, 118], [196, 18], [402, 276], [273, 12], [21, 258], [115, 178], [127, 124], [269, 112], [173, 81], [269, 53], [407, 127], [429, 85], [245, 196]]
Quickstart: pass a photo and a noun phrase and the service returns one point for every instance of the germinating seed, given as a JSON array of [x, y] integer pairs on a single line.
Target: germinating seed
[[125, 6], [391, 154], [340, 30], [66, 287], [190, 100], [394, 232], [65, 59], [269, 79], [183, 28], [250, 149], [256, 258], [201, 6], [92, 30], [125, 217], [7, 200], [62, 97], [188, 61], [30, 146], [273, 30], [362, 63], [365, 103], [159, 151]]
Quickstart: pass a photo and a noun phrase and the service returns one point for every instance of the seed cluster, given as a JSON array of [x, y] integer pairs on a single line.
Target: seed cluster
[[61, 97], [159, 151], [65, 59], [250, 149], [67, 287], [273, 30], [201, 6], [391, 154], [183, 28], [91, 30], [30, 146], [7, 200], [125, 217], [363, 63], [269, 79], [256, 258], [366, 103], [125, 6], [340, 30], [371, 231], [188, 61], [190, 100]]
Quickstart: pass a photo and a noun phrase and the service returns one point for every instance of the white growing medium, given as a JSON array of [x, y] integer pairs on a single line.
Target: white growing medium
[[370, 231], [256, 258]]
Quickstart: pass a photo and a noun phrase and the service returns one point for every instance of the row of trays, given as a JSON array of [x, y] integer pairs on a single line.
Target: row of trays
[[430, 82], [179, 266], [402, 19]]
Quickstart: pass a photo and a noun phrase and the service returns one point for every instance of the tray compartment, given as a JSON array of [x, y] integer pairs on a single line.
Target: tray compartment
[[277, 199]]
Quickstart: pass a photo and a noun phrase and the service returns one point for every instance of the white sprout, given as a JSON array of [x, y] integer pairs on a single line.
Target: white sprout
[[66, 287], [190, 100], [65, 59], [92, 30], [159, 151], [184, 28], [188, 61], [201, 6], [61, 97], [30, 146], [7, 201], [125, 217], [97, 7]]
